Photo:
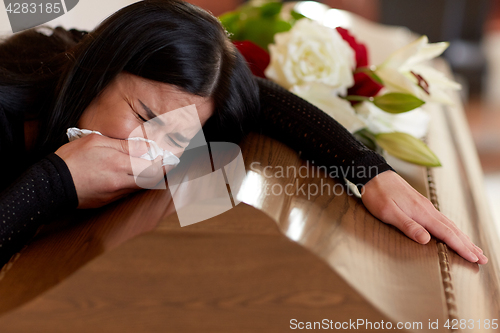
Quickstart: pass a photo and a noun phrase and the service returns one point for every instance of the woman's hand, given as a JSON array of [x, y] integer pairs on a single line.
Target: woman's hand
[[101, 168], [392, 200]]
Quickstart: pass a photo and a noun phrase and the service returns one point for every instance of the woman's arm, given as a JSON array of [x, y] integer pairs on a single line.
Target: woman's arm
[[43, 191], [88, 172], [386, 195], [318, 137], [30, 198]]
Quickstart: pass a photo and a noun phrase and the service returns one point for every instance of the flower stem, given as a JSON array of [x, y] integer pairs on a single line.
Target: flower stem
[[354, 98], [367, 70]]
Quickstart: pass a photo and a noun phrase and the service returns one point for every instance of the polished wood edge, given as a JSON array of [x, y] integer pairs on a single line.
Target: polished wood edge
[[8, 265]]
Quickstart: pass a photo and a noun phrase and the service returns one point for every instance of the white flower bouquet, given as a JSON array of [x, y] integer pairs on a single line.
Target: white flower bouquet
[[380, 105]]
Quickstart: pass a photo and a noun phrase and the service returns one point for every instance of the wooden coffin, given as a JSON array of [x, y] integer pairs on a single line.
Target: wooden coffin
[[272, 259]]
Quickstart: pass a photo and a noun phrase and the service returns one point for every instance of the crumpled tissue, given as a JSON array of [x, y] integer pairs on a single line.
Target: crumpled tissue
[[154, 151]]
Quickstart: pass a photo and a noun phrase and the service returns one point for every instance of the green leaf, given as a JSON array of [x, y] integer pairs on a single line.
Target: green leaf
[[407, 148], [366, 138], [271, 9], [397, 102], [356, 98], [250, 10], [262, 31], [229, 18], [375, 77], [257, 22], [296, 16], [230, 21]]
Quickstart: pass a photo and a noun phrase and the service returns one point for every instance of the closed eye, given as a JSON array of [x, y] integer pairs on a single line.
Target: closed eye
[[140, 117], [137, 114], [175, 143]]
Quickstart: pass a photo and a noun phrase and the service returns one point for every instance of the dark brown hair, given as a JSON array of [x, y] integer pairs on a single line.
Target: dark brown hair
[[56, 77]]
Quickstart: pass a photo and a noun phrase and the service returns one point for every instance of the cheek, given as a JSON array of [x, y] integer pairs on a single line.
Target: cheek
[[171, 148], [109, 121], [123, 129]]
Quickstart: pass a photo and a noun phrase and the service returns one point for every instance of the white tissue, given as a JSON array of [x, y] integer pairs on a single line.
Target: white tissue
[[154, 151]]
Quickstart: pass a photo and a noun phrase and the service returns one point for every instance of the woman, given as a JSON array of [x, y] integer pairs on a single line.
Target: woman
[[144, 61]]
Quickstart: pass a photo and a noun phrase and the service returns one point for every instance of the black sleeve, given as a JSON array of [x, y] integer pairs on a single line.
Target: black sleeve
[[38, 196], [317, 136]]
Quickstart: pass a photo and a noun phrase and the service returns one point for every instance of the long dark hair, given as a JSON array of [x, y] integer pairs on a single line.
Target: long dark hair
[[168, 41]]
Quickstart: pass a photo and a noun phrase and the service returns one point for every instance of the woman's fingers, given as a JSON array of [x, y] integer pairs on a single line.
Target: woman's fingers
[[396, 217], [140, 167], [448, 235], [465, 239], [150, 180], [392, 200], [478, 248], [146, 173], [418, 230], [134, 148]]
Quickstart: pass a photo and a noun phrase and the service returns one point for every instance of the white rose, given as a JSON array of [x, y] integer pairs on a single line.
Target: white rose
[[311, 52]]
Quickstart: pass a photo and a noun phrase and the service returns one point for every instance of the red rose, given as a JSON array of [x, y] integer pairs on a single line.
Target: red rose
[[364, 85], [359, 49], [257, 58]]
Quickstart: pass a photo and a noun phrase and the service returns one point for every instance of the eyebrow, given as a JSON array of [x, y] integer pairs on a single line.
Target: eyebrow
[[151, 115]]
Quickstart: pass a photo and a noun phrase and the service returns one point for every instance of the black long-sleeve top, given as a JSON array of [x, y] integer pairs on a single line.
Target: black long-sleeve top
[[46, 188]]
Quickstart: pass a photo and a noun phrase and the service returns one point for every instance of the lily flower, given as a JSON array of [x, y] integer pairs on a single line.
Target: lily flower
[[414, 122], [406, 71]]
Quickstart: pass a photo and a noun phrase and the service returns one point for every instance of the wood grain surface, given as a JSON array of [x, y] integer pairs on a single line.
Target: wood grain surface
[[234, 273]]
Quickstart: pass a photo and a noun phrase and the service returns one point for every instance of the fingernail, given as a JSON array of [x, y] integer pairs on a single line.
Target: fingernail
[[484, 257], [422, 237], [473, 257]]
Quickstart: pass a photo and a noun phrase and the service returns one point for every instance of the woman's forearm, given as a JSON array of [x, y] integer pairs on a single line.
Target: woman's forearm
[[41, 193], [318, 137]]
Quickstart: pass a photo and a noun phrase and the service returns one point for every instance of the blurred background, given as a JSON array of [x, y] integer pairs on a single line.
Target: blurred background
[[471, 26]]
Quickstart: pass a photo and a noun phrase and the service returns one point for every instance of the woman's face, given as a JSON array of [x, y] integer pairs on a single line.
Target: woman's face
[[132, 106]]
